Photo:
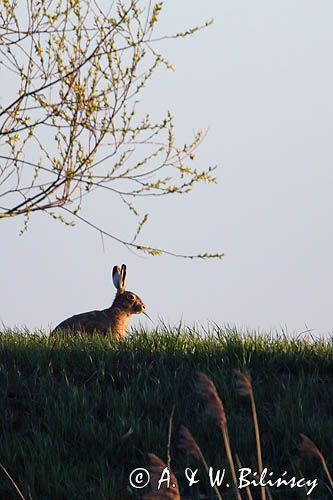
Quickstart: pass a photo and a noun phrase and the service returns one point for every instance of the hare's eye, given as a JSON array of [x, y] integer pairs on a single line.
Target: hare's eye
[[131, 297]]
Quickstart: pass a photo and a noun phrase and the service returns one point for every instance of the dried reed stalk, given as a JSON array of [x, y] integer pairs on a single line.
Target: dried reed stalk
[[309, 448], [301, 476], [247, 489], [215, 408], [189, 444], [244, 387], [169, 437], [12, 481]]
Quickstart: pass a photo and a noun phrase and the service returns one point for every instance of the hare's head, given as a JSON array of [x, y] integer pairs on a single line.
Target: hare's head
[[125, 300]]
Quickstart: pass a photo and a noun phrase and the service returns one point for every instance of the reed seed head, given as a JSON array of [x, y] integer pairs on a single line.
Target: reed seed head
[[207, 389], [163, 493], [244, 383], [188, 443], [308, 447]]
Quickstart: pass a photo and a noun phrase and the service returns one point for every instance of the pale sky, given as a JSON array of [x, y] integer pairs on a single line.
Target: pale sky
[[261, 80]]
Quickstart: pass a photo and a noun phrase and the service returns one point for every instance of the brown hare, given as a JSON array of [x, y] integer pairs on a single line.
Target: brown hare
[[115, 318]]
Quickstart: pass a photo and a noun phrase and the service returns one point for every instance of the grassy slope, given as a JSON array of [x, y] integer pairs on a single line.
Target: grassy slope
[[67, 405]]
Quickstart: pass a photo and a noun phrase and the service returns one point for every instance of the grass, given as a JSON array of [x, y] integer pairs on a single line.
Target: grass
[[78, 414]]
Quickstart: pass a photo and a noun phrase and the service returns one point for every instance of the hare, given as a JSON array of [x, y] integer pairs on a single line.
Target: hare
[[115, 318]]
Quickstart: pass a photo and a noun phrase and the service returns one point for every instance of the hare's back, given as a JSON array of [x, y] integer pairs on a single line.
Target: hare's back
[[87, 322]]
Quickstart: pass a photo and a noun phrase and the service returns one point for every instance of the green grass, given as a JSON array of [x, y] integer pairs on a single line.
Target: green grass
[[66, 407]]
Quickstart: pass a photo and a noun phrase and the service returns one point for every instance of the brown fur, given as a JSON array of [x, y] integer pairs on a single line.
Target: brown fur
[[115, 318]]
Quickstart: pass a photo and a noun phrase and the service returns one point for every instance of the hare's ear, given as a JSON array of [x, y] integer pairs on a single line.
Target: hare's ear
[[116, 277], [123, 274]]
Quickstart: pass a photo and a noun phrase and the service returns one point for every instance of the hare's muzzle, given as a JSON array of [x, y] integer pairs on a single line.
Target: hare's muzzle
[[139, 308], [143, 311]]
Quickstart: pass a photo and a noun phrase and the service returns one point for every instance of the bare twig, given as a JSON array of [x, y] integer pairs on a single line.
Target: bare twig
[[79, 71]]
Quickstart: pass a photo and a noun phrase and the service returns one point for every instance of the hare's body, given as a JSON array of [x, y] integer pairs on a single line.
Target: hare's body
[[114, 319]]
